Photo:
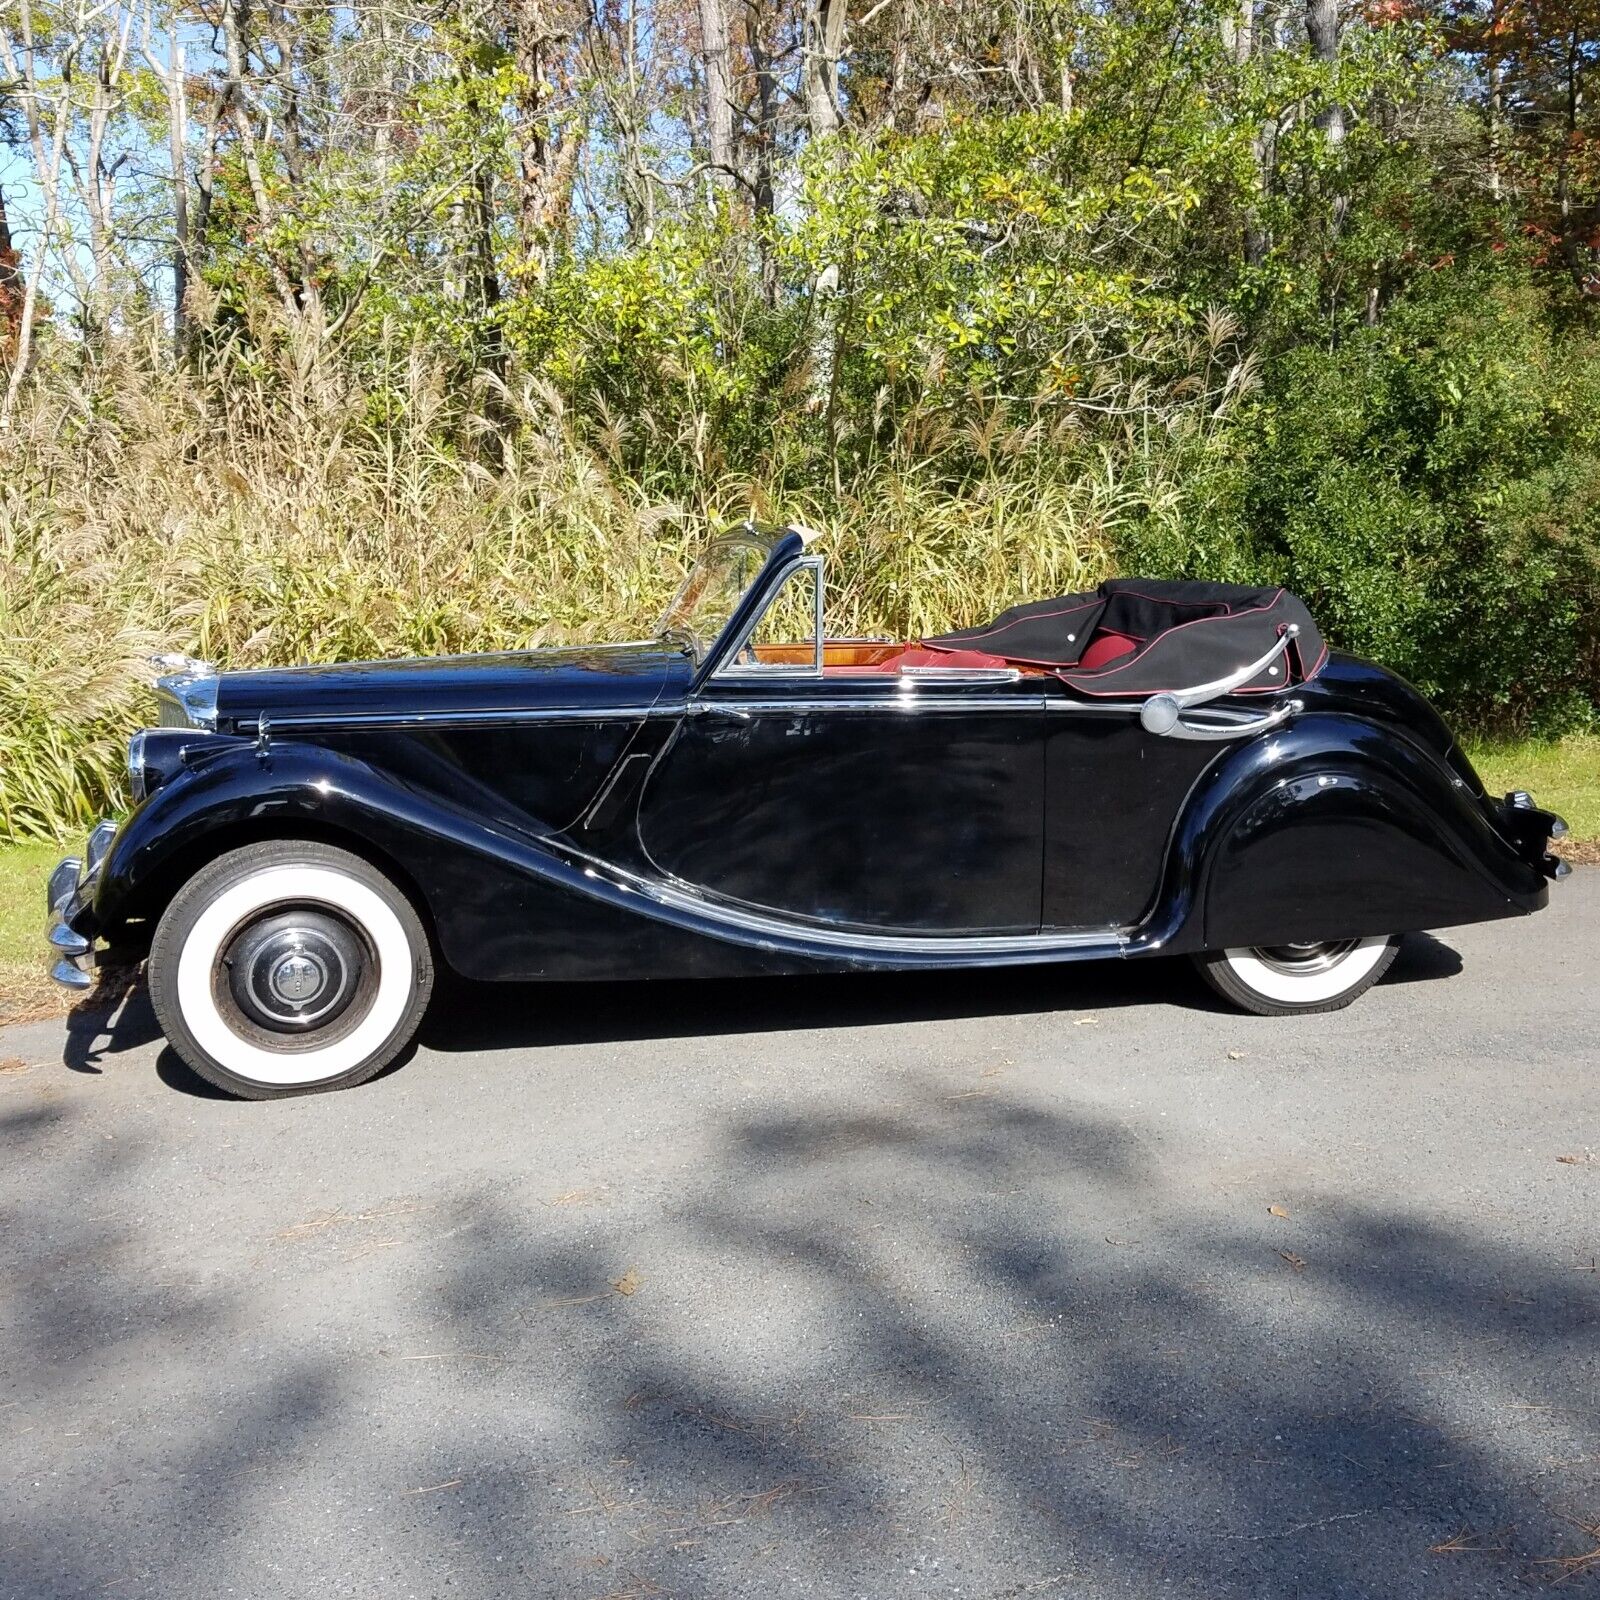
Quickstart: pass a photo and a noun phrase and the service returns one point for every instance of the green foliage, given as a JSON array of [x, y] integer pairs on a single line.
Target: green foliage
[[1431, 486], [478, 354]]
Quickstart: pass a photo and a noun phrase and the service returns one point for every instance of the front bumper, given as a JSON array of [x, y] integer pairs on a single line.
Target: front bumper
[[68, 894]]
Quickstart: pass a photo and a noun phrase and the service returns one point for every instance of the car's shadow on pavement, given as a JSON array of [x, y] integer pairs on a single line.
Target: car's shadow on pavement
[[498, 1016], [468, 1017]]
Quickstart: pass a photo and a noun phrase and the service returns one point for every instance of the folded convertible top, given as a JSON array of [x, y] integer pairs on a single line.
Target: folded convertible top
[[1139, 636]]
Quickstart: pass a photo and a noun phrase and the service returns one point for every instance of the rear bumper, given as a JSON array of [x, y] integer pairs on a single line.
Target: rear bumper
[[1532, 832], [71, 954]]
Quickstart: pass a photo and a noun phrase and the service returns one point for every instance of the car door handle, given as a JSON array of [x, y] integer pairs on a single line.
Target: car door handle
[[717, 708], [1167, 720]]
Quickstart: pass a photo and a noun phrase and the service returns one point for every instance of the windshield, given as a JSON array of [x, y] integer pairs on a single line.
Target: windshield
[[705, 603]]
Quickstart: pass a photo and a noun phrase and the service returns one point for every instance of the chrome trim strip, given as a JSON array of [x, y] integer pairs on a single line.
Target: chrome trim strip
[[960, 674], [1120, 708], [465, 718], [753, 922], [890, 700], [729, 665]]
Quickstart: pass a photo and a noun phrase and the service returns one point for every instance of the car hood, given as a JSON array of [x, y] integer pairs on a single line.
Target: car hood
[[583, 677]]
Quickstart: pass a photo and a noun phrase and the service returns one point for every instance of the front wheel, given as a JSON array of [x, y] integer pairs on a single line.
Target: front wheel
[[289, 966], [1290, 979]]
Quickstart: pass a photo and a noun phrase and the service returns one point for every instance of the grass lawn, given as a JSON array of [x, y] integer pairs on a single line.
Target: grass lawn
[[24, 987], [1562, 775]]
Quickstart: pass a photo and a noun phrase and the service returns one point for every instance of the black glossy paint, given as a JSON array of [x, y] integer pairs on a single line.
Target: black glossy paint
[[626, 812], [843, 806], [584, 677]]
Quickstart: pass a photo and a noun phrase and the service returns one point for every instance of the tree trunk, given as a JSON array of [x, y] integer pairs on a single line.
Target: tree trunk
[[719, 91], [534, 37], [821, 47], [1239, 31], [50, 184], [11, 288], [1324, 30], [177, 138]]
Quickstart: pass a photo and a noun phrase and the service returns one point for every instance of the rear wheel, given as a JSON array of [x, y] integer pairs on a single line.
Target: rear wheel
[[288, 967], [1284, 980]]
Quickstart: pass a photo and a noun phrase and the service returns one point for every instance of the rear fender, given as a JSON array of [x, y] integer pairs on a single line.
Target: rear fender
[[1333, 828]]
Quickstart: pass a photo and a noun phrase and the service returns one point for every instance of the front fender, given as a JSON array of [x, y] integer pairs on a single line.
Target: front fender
[[1333, 828], [232, 791], [500, 903]]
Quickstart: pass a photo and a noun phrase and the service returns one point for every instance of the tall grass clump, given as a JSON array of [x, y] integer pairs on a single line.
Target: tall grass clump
[[255, 512]]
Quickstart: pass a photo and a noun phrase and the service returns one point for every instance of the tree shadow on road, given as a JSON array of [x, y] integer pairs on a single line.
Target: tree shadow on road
[[986, 1344]]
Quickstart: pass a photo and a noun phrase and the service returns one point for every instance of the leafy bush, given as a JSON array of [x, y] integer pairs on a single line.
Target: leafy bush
[[1431, 487]]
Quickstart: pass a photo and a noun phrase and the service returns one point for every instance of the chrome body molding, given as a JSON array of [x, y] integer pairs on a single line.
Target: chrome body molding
[[899, 703], [750, 925], [467, 718]]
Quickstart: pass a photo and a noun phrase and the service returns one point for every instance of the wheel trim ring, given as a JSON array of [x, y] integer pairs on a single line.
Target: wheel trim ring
[[1300, 960], [358, 902], [1306, 988]]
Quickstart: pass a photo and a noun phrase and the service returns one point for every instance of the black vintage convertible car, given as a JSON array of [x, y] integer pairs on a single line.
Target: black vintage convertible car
[[1147, 769]]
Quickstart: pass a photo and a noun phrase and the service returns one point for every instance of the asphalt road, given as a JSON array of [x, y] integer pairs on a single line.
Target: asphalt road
[[1049, 1283]]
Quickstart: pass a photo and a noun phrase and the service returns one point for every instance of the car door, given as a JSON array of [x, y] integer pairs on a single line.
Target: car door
[[1113, 795], [878, 800]]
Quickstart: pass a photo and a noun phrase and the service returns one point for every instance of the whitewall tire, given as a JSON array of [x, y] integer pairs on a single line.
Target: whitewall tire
[[287, 967], [1282, 980]]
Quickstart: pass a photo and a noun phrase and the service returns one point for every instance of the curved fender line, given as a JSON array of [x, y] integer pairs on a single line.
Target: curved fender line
[[1331, 742]]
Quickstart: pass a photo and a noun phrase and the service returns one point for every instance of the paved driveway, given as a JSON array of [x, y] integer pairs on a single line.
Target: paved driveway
[[1051, 1283]]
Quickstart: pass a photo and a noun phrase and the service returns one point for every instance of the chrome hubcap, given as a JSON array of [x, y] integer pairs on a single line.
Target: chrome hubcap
[[297, 978], [1300, 960], [294, 970]]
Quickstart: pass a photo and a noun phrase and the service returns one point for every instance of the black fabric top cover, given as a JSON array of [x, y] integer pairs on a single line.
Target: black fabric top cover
[[1150, 635]]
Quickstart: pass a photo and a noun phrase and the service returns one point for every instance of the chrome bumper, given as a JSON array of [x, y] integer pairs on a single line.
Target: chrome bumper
[[70, 889]]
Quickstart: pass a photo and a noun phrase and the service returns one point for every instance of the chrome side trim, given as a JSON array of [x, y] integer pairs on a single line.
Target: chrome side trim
[[896, 701], [466, 718], [960, 674], [679, 897], [1116, 708]]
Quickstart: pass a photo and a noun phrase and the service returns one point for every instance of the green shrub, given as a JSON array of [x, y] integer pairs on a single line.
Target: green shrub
[[1431, 487]]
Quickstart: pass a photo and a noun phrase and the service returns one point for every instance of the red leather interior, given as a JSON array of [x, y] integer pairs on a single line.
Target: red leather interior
[[914, 655], [1105, 648]]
